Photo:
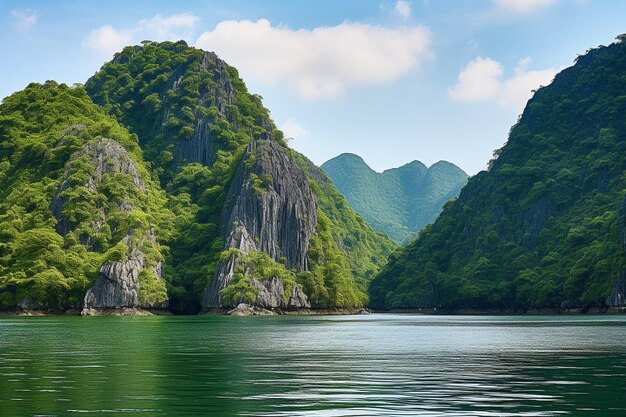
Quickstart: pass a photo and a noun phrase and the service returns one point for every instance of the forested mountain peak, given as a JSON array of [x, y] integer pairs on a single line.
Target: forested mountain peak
[[398, 201], [199, 204], [543, 226], [411, 168], [185, 104]]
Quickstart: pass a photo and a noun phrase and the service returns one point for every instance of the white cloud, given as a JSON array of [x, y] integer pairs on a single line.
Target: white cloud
[[319, 62], [162, 28], [479, 80], [402, 9], [517, 90], [522, 7], [482, 80], [108, 40], [293, 129], [24, 19]]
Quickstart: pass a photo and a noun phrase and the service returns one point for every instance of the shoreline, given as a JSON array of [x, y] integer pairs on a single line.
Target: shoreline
[[247, 310], [137, 312], [126, 311], [506, 312]]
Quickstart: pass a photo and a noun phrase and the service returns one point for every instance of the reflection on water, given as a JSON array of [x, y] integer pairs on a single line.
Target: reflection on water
[[379, 365]]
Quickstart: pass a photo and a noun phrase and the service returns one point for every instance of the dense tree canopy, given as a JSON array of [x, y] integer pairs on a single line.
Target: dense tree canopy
[[43, 132], [543, 226], [399, 201], [177, 99], [60, 220]]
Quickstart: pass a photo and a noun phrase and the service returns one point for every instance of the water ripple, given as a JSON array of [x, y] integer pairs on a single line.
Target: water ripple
[[379, 365]]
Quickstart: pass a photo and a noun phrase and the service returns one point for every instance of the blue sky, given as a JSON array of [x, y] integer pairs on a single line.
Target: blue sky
[[392, 81]]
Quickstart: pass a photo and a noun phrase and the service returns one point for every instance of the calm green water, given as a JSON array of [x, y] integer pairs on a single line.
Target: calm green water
[[378, 365]]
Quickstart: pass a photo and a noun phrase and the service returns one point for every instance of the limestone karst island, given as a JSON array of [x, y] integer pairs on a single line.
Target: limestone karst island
[[289, 208]]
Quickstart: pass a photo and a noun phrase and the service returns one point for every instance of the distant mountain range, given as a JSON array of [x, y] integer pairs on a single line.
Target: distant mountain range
[[399, 201]]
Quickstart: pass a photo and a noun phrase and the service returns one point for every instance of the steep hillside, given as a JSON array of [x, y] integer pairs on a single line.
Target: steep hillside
[[80, 217], [544, 227], [399, 201], [249, 223]]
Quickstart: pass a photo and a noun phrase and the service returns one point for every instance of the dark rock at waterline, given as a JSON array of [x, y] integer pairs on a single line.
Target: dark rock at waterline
[[617, 298]]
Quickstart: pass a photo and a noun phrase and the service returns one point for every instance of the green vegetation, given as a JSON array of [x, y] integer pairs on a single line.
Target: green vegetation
[[330, 280], [260, 184], [544, 226], [78, 190], [44, 131], [400, 201], [194, 118], [173, 96], [342, 239], [260, 266]]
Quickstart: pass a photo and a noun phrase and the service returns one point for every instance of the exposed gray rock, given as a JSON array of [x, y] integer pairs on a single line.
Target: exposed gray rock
[[211, 62], [618, 295], [125, 311], [298, 298], [33, 306], [73, 130], [247, 310], [201, 147], [32, 313], [117, 285], [270, 208], [280, 213], [107, 157], [271, 294], [538, 218]]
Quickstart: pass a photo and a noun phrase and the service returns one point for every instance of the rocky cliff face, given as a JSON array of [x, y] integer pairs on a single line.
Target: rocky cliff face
[[180, 108], [201, 147], [617, 298], [271, 294], [118, 283], [195, 120], [118, 286], [105, 157], [270, 208]]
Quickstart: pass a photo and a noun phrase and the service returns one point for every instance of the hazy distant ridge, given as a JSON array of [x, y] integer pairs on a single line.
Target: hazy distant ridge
[[399, 201]]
